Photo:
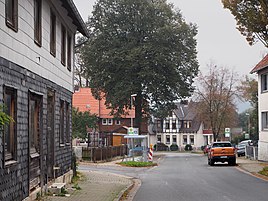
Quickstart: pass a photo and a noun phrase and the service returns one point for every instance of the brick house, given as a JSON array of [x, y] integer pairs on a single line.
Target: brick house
[[110, 128], [182, 126], [262, 70], [36, 86]]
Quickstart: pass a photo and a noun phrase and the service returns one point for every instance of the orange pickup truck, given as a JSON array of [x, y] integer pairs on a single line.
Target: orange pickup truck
[[222, 152]]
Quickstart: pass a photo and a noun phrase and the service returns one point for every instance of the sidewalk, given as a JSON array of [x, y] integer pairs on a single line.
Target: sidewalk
[[98, 186], [252, 166]]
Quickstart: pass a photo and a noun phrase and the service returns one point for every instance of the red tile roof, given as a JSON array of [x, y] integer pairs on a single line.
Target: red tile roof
[[261, 65], [84, 101]]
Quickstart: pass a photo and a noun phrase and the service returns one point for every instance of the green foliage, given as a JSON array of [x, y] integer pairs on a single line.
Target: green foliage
[[188, 147], [174, 147], [4, 118], [138, 164], [264, 171], [77, 187], [251, 17], [81, 121], [139, 47]]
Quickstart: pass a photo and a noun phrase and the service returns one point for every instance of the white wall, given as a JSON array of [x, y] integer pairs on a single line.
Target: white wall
[[263, 135], [19, 47]]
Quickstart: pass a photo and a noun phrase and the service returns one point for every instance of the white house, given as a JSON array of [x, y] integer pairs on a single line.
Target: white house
[[37, 39], [262, 70], [181, 127]]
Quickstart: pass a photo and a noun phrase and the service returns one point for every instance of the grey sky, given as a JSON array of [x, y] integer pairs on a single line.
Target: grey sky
[[218, 41]]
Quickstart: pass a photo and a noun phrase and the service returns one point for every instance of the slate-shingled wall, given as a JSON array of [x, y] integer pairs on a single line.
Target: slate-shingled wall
[[14, 179]]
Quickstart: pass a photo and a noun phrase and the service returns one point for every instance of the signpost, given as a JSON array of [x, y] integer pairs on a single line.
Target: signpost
[[227, 132], [132, 131]]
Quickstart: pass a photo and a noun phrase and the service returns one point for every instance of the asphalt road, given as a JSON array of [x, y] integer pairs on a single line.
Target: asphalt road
[[187, 177]]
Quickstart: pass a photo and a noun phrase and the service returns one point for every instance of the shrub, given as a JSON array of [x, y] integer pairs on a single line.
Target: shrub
[[174, 147], [188, 147], [137, 164], [161, 147]]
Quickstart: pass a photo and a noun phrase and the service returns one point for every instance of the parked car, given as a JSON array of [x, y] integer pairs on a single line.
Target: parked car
[[241, 149], [205, 150]]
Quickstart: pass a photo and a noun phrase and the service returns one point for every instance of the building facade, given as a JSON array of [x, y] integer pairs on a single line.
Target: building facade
[[262, 70], [36, 86], [181, 127], [108, 125]]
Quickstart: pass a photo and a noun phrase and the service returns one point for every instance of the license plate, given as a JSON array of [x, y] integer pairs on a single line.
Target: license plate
[[223, 156]]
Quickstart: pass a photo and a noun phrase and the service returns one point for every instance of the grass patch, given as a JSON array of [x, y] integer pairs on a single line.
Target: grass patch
[[137, 164], [264, 171]]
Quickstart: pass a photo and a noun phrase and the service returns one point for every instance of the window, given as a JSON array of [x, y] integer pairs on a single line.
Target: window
[[117, 122], [52, 33], [174, 124], [264, 119], [63, 45], [38, 22], [12, 14], [192, 139], [68, 122], [167, 124], [10, 135], [174, 139], [34, 123], [69, 52], [104, 121], [159, 123], [158, 138], [264, 82], [110, 121], [167, 139], [61, 122], [184, 139], [187, 124]]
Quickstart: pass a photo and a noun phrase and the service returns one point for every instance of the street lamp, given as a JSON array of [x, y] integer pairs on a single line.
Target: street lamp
[[131, 103]]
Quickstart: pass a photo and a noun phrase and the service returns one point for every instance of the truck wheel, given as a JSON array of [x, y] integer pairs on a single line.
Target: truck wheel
[[212, 162], [232, 162]]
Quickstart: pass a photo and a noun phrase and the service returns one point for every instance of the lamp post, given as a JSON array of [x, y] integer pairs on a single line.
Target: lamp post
[[131, 103]]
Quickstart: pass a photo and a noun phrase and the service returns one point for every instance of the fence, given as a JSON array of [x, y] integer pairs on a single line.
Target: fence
[[251, 152], [103, 153]]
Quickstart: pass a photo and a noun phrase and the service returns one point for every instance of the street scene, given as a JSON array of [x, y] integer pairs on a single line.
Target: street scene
[[132, 100]]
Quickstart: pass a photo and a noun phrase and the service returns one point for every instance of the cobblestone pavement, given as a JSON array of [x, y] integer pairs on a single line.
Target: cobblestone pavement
[[97, 186]]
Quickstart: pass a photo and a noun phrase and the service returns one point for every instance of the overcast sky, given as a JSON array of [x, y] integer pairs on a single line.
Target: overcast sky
[[218, 40]]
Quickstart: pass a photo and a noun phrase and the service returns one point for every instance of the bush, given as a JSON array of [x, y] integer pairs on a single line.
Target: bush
[[161, 147], [138, 164], [188, 147], [174, 147]]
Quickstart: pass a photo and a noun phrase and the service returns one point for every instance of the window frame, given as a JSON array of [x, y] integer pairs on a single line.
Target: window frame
[[264, 120], [61, 123], [183, 139], [104, 121], [117, 122], [167, 139], [110, 122], [69, 52], [63, 45], [35, 123], [192, 141], [174, 141], [53, 30], [11, 15], [10, 155], [174, 124], [264, 82], [67, 120], [167, 124], [38, 22]]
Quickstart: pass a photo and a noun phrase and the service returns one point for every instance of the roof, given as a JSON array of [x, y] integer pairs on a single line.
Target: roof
[[85, 101], [261, 65], [75, 16], [187, 112]]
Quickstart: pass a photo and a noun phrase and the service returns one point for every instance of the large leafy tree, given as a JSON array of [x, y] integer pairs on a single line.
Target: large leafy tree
[[139, 47], [216, 94], [251, 17], [249, 92]]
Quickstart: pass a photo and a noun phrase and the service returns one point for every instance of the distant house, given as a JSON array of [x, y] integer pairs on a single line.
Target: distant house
[[262, 70], [111, 129], [36, 85], [181, 127]]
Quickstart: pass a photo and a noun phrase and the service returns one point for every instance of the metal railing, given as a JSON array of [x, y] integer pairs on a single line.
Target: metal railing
[[251, 152]]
